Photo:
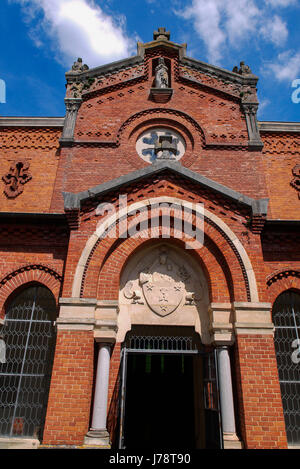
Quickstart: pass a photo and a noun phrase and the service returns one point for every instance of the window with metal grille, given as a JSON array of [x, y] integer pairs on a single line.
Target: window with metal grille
[[29, 337], [286, 318]]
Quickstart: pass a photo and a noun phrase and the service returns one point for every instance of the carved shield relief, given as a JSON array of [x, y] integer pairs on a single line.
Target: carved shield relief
[[163, 285]]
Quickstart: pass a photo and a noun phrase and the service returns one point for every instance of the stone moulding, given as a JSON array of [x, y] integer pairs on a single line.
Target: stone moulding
[[160, 95], [240, 252], [74, 201]]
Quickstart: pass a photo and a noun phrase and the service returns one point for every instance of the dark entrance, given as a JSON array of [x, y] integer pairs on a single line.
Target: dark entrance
[[159, 402], [169, 392]]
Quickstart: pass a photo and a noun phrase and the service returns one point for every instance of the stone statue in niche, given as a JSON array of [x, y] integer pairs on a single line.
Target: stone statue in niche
[[165, 286], [161, 74]]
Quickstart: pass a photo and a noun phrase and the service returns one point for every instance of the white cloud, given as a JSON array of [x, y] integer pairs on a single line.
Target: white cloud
[[78, 28], [233, 22], [286, 68], [275, 30], [281, 3]]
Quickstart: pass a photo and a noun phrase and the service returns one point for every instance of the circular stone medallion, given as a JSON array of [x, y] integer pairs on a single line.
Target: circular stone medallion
[[160, 143]]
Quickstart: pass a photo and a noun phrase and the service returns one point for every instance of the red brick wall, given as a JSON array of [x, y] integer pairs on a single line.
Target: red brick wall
[[39, 146], [260, 405], [68, 412], [281, 153]]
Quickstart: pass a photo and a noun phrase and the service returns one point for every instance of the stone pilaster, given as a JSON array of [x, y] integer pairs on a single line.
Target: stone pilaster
[[250, 110], [72, 107]]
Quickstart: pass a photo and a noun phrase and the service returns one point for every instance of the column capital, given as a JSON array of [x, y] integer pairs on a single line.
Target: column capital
[[221, 328]]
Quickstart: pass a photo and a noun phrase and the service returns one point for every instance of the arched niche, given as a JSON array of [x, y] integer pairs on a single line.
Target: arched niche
[[163, 285]]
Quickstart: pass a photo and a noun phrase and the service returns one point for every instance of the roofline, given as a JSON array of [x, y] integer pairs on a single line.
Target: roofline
[[73, 201], [265, 126], [215, 70], [107, 68], [32, 121]]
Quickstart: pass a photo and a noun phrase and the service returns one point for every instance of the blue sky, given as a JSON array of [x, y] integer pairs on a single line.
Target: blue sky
[[40, 39]]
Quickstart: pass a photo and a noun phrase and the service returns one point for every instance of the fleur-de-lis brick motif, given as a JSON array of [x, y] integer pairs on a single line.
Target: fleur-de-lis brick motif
[[295, 183], [17, 176]]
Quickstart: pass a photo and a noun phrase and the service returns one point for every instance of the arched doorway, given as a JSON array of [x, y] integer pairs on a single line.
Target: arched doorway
[[286, 319], [169, 390], [169, 395], [29, 337]]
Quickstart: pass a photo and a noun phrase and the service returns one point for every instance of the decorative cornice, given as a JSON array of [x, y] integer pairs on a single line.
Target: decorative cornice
[[279, 126], [105, 69], [73, 201], [219, 72], [32, 121]]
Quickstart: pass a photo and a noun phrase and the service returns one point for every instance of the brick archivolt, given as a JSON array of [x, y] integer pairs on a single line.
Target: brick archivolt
[[27, 274], [180, 121], [282, 280], [234, 253]]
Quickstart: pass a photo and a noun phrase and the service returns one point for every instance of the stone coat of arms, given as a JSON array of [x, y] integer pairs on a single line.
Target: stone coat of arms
[[163, 285]]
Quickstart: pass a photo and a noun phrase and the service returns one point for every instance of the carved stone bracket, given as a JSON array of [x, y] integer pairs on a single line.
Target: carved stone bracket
[[295, 183], [250, 111], [72, 107], [161, 95], [17, 176]]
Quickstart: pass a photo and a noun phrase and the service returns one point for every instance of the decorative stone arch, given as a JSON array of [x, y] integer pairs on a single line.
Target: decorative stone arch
[[185, 294], [194, 135], [27, 274], [282, 280], [232, 244]]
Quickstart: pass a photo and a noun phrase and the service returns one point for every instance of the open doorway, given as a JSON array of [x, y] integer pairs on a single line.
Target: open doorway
[[169, 395]]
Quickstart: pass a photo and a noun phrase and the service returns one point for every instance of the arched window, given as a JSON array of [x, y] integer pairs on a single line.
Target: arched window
[[29, 336], [286, 318]]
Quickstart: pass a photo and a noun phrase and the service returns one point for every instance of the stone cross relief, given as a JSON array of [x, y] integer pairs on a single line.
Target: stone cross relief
[[164, 286]]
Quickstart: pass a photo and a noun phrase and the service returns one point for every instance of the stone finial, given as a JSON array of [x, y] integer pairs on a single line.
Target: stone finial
[[79, 66], [161, 33], [243, 70]]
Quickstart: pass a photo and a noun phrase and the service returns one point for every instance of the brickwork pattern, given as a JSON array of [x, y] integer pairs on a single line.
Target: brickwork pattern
[[68, 412], [260, 405]]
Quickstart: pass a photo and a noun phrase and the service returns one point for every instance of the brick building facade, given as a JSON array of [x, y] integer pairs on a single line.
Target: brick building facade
[[163, 219]]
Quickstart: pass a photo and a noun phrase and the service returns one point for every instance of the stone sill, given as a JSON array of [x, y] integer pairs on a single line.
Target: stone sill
[[19, 443]]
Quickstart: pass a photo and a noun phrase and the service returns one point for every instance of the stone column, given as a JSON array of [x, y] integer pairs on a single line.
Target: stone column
[[226, 397], [222, 334], [98, 434]]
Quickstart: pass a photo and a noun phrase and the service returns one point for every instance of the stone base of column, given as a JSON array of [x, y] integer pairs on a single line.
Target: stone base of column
[[231, 441], [97, 439]]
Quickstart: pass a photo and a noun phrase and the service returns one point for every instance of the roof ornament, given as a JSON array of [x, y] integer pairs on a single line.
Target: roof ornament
[[79, 66], [161, 33], [243, 70]]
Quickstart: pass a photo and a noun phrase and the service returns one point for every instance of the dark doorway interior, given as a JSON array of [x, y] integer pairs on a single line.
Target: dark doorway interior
[[159, 402]]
